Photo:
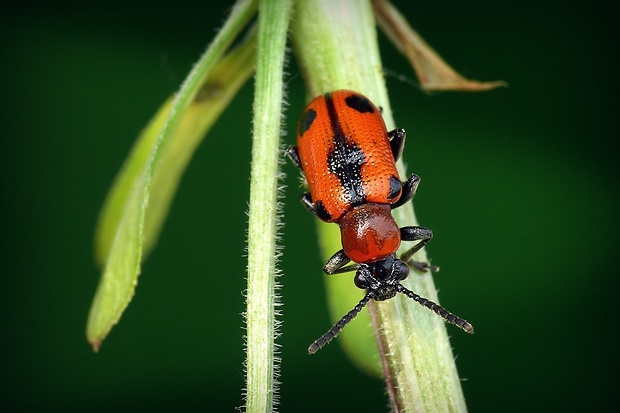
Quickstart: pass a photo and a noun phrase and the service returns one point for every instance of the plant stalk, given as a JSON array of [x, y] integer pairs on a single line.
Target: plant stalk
[[336, 46], [261, 363]]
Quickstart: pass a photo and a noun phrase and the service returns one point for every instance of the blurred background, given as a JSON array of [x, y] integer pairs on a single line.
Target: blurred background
[[518, 184]]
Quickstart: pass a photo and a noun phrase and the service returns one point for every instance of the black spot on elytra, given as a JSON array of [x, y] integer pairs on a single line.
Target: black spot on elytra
[[395, 187], [359, 103], [346, 161], [306, 121]]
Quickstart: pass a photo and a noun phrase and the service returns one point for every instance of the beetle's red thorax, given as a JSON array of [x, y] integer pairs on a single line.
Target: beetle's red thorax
[[369, 233]]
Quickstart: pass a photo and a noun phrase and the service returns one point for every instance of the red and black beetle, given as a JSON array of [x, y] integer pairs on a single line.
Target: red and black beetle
[[349, 161]]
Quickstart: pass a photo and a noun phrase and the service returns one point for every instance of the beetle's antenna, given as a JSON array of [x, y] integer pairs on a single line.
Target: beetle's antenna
[[439, 310], [337, 328]]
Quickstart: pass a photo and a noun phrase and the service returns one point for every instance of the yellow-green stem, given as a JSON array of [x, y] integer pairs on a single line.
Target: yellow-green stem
[[336, 46], [261, 364]]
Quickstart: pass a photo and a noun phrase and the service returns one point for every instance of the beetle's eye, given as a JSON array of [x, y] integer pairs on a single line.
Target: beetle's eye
[[360, 279], [400, 271]]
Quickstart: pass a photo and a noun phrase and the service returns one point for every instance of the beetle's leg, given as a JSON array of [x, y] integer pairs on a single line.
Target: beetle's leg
[[408, 191], [336, 264], [317, 208], [397, 142], [293, 153], [307, 201], [422, 234]]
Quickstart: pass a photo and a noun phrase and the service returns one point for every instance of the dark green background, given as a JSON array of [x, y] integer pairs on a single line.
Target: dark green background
[[518, 184]]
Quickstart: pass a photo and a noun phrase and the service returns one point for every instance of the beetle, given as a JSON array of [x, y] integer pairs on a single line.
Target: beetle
[[349, 159]]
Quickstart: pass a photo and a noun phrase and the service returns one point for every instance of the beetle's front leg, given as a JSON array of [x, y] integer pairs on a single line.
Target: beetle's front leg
[[336, 264]]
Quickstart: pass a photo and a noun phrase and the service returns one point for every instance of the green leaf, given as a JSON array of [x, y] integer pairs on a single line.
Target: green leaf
[[214, 96], [121, 270], [140, 198]]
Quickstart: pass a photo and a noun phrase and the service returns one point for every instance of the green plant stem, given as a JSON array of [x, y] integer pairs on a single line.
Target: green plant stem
[[336, 46], [261, 367]]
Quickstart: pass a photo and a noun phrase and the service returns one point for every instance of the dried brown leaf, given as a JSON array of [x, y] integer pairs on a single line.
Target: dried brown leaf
[[433, 73]]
